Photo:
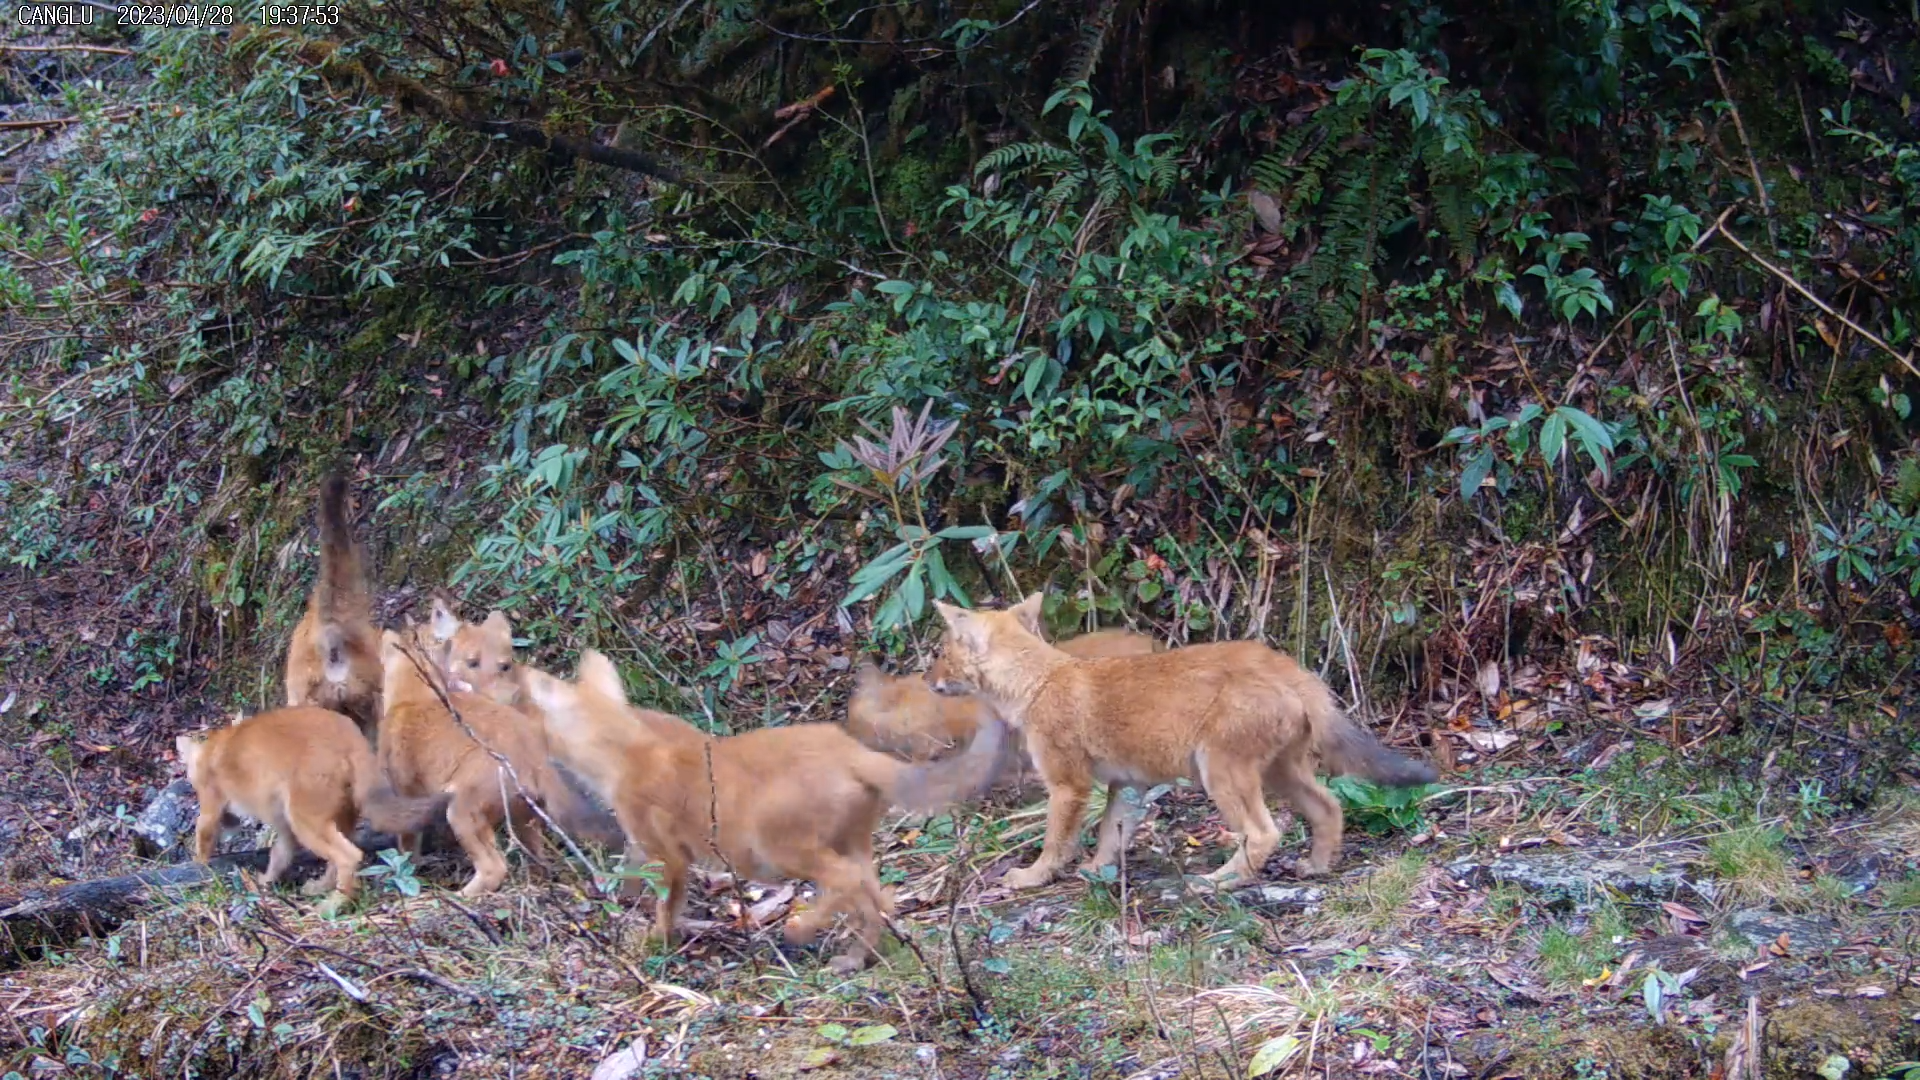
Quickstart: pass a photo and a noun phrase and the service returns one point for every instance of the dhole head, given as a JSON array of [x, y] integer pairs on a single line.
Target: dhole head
[[477, 657], [972, 639], [571, 708], [188, 749]]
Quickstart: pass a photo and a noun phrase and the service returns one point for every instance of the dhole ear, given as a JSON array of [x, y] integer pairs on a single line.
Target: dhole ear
[[1028, 611], [444, 622], [951, 614], [598, 674], [188, 749], [499, 626], [867, 672]]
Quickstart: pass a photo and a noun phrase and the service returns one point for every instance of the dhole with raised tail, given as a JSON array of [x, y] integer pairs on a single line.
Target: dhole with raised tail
[[800, 801], [424, 750], [333, 660], [310, 774], [1235, 715], [901, 714]]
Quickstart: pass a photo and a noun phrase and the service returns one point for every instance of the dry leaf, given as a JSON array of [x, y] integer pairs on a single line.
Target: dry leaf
[[1489, 680], [1490, 742]]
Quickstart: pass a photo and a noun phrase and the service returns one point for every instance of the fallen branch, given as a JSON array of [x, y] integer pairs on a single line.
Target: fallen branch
[[114, 898], [37, 125], [1906, 361]]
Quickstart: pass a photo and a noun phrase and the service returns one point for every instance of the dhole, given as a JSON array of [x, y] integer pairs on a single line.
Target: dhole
[[424, 750], [1235, 715], [478, 658], [799, 801], [333, 661], [901, 714], [310, 774]]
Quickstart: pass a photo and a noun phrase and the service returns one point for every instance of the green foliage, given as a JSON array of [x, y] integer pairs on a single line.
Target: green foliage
[[1382, 810]]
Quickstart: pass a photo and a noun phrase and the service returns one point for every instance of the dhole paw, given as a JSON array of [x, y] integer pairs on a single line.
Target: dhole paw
[[847, 964], [317, 887], [1027, 877], [1307, 868], [801, 930]]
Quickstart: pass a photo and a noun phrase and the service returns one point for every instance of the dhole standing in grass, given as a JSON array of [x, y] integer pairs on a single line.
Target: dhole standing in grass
[[800, 801], [310, 774], [423, 749], [1235, 715], [333, 660]]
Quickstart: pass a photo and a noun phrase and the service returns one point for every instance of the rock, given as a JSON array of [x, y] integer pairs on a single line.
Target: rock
[[623, 1065], [163, 829], [1805, 933], [166, 821], [1281, 896], [1578, 878]]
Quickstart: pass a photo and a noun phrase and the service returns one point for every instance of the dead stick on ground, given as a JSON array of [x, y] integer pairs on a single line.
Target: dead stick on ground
[[1792, 283]]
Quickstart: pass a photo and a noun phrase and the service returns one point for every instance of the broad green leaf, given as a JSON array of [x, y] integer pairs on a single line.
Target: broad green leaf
[[867, 1036], [833, 1032], [894, 288], [1553, 438], [913, 593], [1476, 472], [965, 532], [1272, 1054]]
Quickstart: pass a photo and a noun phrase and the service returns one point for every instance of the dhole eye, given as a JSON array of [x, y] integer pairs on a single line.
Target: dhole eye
[[504, 665], [474, 663]]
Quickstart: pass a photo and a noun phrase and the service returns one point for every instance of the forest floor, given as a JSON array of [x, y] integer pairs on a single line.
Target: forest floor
[[1527, 928]]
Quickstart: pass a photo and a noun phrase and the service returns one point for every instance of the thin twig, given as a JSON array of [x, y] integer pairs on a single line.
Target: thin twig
[[1753, 162], [1905, 360]]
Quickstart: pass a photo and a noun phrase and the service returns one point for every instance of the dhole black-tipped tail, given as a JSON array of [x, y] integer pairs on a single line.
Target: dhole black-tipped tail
[[930, 788], [340, 595], [388, 811]]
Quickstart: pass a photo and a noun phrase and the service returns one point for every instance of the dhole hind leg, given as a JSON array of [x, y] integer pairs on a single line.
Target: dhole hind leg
[[1234, 786], [1115, 831], [1294, 777], [473, 826], [283, 851], [326, 840], [847, 885]]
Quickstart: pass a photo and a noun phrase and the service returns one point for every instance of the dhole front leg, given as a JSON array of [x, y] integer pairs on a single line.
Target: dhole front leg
[[206, 833], [1065, 805], [667, 913]]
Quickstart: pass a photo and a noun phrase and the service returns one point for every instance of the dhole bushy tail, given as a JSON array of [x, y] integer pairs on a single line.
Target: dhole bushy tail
[[936, 785], [387, 810], [341, 594], [1347, 749]]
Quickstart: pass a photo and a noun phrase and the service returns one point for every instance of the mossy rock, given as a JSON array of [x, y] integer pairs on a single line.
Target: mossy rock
[[1803, 1039]]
